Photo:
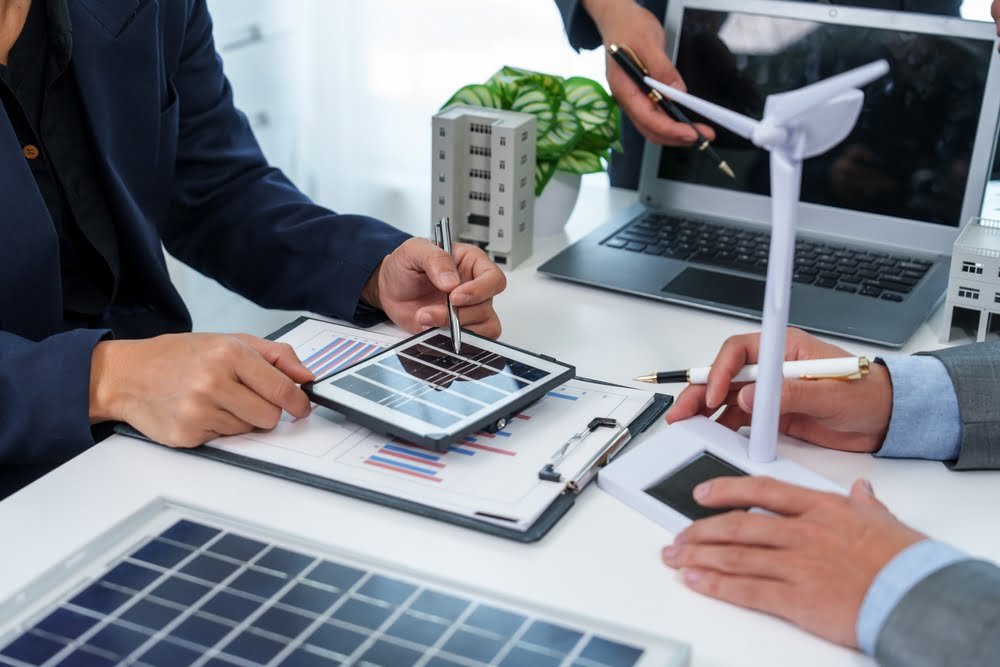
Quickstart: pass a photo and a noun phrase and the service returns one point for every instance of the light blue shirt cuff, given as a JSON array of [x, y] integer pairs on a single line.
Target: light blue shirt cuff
[[925, 422], [908, 568]]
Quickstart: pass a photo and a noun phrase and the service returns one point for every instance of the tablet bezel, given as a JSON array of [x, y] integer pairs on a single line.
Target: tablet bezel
[[378, 418]]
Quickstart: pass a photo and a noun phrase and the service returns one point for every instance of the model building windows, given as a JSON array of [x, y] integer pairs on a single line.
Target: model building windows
[[503, 141], [996, 298], [972, 267], [968, 293], [441, 154], [503, 165], [503, 188], [441, 131]]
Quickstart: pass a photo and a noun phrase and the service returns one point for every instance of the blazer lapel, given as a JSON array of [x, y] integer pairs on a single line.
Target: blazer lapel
[[119, 71], [31, 305]]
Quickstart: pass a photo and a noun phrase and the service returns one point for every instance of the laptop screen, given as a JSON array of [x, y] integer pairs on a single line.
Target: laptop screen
[[909, 155]]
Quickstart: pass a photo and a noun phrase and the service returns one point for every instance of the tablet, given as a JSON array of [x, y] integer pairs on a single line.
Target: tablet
[[423, 392]]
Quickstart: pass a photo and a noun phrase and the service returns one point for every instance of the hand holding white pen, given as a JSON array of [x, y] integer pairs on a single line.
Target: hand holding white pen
[[840, 368], [850, 416]]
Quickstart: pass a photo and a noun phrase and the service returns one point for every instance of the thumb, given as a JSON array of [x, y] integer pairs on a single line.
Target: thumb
[[438, 265], [862, 492]]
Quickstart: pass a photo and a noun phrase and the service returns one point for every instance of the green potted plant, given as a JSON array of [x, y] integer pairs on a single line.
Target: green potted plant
[[577, 120]]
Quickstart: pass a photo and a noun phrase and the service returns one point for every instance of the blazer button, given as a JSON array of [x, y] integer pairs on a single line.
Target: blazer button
[[31, 151]]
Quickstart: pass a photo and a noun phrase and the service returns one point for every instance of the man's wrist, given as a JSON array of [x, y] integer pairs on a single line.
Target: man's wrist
[[105, 389], [370, 293], [599, 10]]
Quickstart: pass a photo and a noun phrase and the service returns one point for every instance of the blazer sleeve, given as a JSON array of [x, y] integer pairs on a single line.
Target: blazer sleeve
[[44, 396], [975, 373], [580, 28], [237, 219], [950, 618]]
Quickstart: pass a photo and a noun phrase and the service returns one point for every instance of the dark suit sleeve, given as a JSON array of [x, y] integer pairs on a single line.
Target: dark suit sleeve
[[240, 221], [44, 396], [950, 618], [975, 373], [580, 28]]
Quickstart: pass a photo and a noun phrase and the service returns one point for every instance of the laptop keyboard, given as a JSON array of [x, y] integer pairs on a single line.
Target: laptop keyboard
[[823, 264]]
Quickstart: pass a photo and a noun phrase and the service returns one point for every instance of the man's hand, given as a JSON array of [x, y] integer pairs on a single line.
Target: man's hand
[[811, 565], [623, 22], [411, 283], [185, 389], [850, 416]]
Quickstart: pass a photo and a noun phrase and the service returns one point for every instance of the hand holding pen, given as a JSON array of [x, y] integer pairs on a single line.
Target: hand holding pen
[[633, 67], [442, 236], [850, 416]]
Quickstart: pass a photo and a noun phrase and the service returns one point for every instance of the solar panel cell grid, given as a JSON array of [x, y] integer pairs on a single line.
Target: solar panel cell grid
[[196, 593]]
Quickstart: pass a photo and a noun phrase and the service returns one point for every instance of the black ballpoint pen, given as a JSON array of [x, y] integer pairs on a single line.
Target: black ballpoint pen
[[630, 63]]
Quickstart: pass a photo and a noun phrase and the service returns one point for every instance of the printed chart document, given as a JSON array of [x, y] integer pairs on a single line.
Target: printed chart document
[[491, 477]]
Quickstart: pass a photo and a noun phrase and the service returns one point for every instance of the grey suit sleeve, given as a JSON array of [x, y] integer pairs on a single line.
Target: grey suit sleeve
[[950, 618], [975, 372], [580, 28]]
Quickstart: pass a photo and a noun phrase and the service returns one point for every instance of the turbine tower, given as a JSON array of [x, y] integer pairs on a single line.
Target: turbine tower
[[796, 125]]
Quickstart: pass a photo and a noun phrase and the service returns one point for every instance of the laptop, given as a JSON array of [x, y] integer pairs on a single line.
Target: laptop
[[878, 214]]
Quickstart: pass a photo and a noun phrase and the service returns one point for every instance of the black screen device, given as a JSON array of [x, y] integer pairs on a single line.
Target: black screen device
[[675, 490], [424, 393]]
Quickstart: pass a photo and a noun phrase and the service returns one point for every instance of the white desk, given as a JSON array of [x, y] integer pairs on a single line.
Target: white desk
[[602, 558]]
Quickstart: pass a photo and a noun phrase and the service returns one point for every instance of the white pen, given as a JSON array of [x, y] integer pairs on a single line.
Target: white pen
[[841, 368]]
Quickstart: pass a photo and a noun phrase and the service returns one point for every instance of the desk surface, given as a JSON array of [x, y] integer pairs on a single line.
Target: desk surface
[[602, 559]]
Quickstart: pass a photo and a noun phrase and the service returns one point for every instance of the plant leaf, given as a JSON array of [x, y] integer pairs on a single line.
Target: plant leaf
[[592, 104], [533, 99], [475, 94], [600, 137], [580, 161], [543, 172], [562, 136]]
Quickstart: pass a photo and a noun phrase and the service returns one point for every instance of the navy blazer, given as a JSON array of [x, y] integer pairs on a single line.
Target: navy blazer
[[181, 167]]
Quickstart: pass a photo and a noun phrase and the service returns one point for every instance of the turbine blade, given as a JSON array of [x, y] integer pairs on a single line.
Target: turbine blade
[[783, 107], [738, 123]]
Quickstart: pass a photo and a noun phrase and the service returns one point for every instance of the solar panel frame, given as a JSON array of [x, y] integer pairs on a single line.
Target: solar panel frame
[[138, 622]]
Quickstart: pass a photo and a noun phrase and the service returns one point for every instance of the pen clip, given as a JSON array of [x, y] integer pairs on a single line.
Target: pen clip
[[628, 53], [863, 367]]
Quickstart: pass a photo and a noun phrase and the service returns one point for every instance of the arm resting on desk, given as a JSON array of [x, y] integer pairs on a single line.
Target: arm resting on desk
[[950, 618], [44, 396], [975, 373]]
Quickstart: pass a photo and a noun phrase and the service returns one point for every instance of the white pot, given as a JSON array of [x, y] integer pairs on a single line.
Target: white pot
[[554, 206]]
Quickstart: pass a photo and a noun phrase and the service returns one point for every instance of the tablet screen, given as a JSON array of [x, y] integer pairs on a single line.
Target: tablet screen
[[422, 386]]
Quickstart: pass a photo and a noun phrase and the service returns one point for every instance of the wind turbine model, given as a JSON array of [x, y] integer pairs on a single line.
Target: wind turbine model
[[798, 124], [657, 478]]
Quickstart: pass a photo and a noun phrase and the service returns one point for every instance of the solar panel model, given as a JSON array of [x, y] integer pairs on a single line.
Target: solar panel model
[[422, 391], [176, 586]]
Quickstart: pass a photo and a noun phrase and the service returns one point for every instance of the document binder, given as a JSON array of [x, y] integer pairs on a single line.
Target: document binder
[[574, 480]]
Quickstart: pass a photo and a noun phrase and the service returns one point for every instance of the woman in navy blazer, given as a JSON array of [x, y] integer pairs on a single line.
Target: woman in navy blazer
[[181, 169]]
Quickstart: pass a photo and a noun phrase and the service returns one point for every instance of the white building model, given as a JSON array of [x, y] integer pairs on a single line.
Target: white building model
[[974, 280], [483, 178]]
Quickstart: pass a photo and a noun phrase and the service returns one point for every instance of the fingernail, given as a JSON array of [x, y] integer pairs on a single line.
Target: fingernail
[[680, 537], [424, 319], [670, 552], [701, 491], [692, 576], [459, 299], [450, 277], [868, 486]]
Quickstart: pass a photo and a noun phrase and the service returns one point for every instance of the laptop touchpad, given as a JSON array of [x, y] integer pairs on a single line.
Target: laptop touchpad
[[736, 291]]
